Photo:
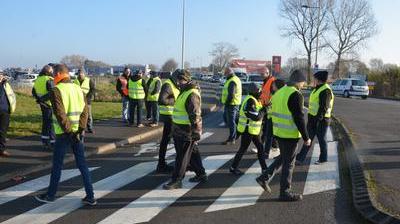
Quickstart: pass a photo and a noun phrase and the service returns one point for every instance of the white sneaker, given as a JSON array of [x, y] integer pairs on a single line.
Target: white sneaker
[[254, 150]]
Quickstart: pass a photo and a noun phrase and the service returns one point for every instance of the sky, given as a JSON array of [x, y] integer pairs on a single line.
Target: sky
[[149, 31]]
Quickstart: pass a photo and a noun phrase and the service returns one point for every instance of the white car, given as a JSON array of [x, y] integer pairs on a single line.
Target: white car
[[350, 87], [26, 79]]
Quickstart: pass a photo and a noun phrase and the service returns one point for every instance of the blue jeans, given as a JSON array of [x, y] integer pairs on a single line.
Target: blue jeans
[[90, 118], [135, 105], [318, 129], [154, 111], [63, 143], [230, 117], [125, 108]]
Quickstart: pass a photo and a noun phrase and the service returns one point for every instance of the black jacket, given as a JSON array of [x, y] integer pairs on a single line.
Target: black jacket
[[167, 95], [231, 91]]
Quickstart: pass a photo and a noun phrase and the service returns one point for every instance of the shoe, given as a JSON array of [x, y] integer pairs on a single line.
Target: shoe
[[235, 171], [199, 179], [263, 182], [44, 198], [229, 142], [140, 126], [89, 201], [275, 149], [164, 169], [290, 196], [318, 162], [173, 184], [254, 150], [4, 153], [153, 125]]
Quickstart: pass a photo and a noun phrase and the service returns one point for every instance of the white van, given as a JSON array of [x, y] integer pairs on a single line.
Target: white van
[[350, 87]]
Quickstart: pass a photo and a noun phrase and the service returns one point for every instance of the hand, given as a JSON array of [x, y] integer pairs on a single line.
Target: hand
[[196, 136], [308, 142]]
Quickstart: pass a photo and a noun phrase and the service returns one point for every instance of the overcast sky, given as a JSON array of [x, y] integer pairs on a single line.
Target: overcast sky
[[149, 31]]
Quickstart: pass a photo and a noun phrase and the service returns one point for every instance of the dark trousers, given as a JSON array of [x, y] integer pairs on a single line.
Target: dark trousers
[[148, 109], [90, 118], [285, 162], [152, 111], [230, 118], [318, 129], [48, 135], [186, 154], [63, 143], [245, 142], [135, 106], [4, 123], [166, 137]]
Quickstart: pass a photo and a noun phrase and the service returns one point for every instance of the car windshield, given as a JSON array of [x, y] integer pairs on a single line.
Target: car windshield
[[358, 83]]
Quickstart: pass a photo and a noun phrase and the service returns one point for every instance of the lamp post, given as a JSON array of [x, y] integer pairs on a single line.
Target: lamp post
[[183, 36], [319, 24]]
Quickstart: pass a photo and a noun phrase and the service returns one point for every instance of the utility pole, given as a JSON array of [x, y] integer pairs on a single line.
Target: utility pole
[[183, 36]]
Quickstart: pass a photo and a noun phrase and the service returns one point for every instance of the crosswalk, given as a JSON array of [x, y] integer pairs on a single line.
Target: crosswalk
[[242, 192]]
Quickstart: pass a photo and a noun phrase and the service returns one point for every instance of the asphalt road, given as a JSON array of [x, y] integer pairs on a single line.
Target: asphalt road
[[128, 191]]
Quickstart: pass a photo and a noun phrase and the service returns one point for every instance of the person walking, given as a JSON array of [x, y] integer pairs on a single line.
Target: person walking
[[249, 126], [137, 93], [187, 129], [153, 93], [231, 99], [319, 116], [122, 89], [41, 92], [70, 120], [168, 95], [288, 127], [88, 87], [7, 107]]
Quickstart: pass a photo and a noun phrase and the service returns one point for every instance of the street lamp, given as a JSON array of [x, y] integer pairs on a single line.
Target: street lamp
[[183, 35], [319, 24]]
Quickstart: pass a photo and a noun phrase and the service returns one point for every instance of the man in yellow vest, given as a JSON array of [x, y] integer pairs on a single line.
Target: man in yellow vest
[[137, 93], [319, 116], [7, 107], [251, 117], [41, 92], [153, 92], [70, 118], [288, 127], [231, 99], [88, 87], [187, 129], [168, 95]]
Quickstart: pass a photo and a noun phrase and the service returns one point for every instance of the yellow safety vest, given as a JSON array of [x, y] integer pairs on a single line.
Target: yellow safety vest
[[168, 110], [40, 86], [85, 86], [254, 127], [136, 90], [282, 119], [180, 115], [12, 100], [152, 85], [73, 101], [314, 101], [237, 97]]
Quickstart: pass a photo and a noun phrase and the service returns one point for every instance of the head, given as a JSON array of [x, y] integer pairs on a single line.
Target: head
[[297, 79], [47, 70], [127, 71], [182, 77], [139, 73], [2, 77], [228, 71], [254, 90], [81, 74], [320, 77], [153, 74], [61, 72], [265, 73]]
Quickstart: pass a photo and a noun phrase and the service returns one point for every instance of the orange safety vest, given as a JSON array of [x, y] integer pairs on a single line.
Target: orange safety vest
[[266, 95], [124, 85]]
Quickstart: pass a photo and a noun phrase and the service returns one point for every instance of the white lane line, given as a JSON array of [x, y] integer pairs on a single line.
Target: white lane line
[[70, 202], [171, 147], [329, 135], [151, 204], [323, 177], [23, 189]]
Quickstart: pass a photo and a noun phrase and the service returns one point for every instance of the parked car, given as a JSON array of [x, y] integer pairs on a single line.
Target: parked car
[[216, 78], [206, 77], [26, 79], [350, 87]]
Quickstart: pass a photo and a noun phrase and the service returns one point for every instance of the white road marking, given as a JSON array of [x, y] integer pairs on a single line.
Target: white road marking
[[323, 177], [70, 202], [23, 189], [148, 147], [149, 205]]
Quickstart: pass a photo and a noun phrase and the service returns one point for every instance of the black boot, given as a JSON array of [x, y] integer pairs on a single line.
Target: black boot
[[290, 196], [173, 184], [263, 181], [235, 171], [199, 178]]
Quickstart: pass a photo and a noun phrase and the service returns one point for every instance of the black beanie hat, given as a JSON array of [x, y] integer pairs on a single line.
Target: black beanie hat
[[321, 75], [297, 76], [180, 74]]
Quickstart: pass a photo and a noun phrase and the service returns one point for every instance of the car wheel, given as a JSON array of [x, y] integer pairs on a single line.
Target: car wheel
[[346, 94], [364, 97]]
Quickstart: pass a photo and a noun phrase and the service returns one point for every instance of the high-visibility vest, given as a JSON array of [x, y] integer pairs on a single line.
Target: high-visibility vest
[[314, 101], [73, 101], [152, 86], [253, 127], [136, 89], [12, 100], [237, 97], [168, 110], [282, 119], [40, 86], [266, 94], [180, 115], [85, 85], [124, 85]]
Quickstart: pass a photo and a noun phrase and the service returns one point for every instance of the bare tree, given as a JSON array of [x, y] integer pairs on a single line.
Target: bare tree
[[352, 24], [222, 53], [153, 67], [306, 21], [170, 65], [376, 64], [74, 61]]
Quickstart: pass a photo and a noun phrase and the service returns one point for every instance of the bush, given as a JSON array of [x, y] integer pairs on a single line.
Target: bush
[[387, 82]]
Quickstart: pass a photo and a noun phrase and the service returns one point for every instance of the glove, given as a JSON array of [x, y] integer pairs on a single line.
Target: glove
[[196, 136]]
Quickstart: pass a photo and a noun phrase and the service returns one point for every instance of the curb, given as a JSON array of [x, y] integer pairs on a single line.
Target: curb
[[361, 198]]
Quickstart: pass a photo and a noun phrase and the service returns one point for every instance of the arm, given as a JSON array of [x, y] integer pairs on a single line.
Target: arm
[[157, 88], [84, 117], [324, 100], [251, 111], [35, 95], [59, 111], [49, 87], [92, 89], [144, 86], [231, 92], [166, 96], [118, 87], [193, 107], [295, 104]]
